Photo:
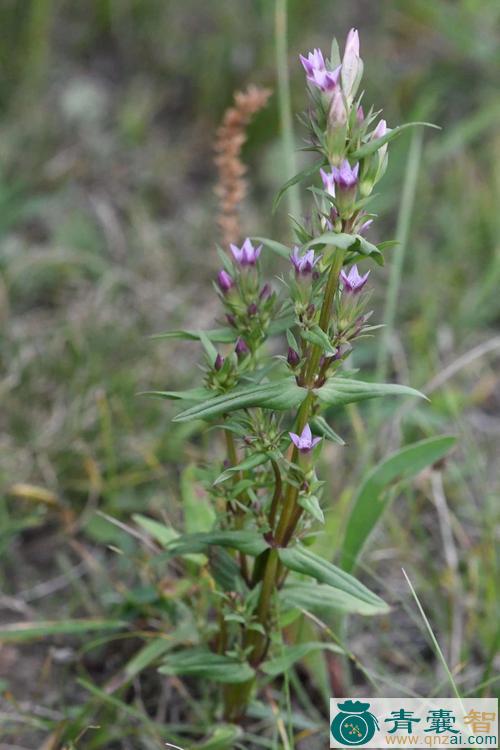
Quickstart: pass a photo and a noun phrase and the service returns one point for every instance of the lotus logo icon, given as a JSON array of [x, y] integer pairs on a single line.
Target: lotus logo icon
[[354, 724]]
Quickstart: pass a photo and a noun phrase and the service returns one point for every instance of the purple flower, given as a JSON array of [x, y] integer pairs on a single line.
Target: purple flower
[[360, 114], [346, 176], [328, 182], [241, 348], [305, 442], [317, 73], [247, 254], [303, 264], [293, 358], [219, 361], [225, 281], [352, 281]]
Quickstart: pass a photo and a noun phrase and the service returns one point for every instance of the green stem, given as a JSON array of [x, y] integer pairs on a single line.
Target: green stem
[[284, 101]]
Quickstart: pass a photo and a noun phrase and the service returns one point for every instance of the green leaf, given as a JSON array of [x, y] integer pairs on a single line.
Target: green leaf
[[161, 532], [202, 663], [307, 172], [311, 505], [249, 542], [223, 737], [216, 335], [320, 426], [293, 654], [26, 631], [210, 349], [302, 560], [319, 597], [250, 462], [316, 335], [340, 391], [190, 394], [366, 248], [275, 247], [148, 654], [371, 499], [225, 570], [374, 145], [337, 239], [279, 395], [222, 335], [199, 515]]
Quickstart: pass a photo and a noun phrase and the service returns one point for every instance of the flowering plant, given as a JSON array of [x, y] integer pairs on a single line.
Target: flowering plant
[[267, 496]]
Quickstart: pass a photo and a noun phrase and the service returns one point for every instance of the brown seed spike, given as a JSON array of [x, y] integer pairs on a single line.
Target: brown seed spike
[[231, 185]]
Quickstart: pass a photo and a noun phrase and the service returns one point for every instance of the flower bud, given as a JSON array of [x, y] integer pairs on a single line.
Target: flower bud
[[352, 67], [225, 281], [265, 292], [219, 361], [293, 358], [252, 309], [336, 128], [374, 166], [241, 348]]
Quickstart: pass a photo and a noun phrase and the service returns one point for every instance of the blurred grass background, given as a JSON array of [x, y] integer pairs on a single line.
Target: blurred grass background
[[108, 110]]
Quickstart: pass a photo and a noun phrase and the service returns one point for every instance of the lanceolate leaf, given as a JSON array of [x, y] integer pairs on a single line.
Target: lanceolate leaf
[[302, 560], [250, 462], [372, 499], [318, 597], [205, 664], [307, 172], [27, 631], [190, 394], [337, 239], [372, 146], [216, 335], [293, 654], [249, 542], [321, 427], [276, 247], [279, 395], [340, 391], [223, 335]]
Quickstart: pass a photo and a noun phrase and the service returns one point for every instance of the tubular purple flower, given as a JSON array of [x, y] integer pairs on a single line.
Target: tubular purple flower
[[345, 176], [293, 358], [225, 281], [241, 348], [317, 73], [313, 61], [219, 361], [328, 182], [337, 113], [352, 282], [304, 442], [303, 264], [247, 254]]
